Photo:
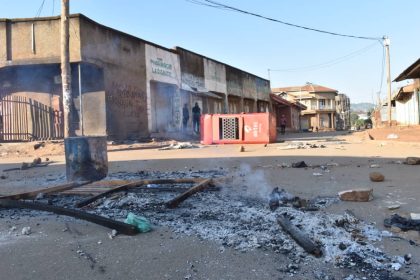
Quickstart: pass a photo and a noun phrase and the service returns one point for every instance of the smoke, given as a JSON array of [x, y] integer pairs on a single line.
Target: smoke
[[252, 182]]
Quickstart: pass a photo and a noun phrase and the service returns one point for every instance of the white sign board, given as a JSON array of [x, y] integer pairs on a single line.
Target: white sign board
[[162, 66]]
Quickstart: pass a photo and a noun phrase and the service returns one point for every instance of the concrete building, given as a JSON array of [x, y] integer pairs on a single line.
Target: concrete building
[[342, 107], [123, 86], [320, 104]]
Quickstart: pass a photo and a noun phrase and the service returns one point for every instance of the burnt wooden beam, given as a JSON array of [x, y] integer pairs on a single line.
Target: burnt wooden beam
[[180, 198], [106, 222], [33, 194], [301, 238], [135, 184]]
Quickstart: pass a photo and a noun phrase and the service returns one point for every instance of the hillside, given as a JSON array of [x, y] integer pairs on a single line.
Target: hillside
[[361, 107]]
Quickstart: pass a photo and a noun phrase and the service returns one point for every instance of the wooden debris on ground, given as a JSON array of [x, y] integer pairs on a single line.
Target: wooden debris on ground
[[300, 237]]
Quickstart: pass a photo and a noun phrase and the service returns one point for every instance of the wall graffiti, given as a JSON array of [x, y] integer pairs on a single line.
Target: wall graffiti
[[128, 98]]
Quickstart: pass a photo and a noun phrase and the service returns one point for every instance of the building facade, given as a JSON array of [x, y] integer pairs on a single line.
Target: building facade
[[342, 107], [320, 113], [122, 86]]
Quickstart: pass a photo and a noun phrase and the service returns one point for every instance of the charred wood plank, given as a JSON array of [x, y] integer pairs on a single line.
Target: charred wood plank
[[106, 222], [180, 198], [33, 194], [135, 184], [301, 238], [119, 226]]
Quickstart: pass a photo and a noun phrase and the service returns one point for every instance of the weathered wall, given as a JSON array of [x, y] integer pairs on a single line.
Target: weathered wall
[[122, 58], [249, 86], [25, 41], [163, 97], [3, 41], [192, 68], [214, 76], [233, 81], [263, 89]]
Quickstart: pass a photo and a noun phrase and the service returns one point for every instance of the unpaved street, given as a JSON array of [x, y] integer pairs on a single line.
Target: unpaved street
[[179, 247]]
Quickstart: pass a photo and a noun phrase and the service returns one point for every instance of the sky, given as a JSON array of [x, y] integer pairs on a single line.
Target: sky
[[294, 56]]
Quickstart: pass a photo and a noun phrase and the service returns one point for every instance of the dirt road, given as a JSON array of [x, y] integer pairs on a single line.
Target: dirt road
[[63, 248]]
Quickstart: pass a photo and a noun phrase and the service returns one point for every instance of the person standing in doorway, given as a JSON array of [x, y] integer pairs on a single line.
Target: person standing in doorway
[[185, 117], [196, 113], [283, 122]]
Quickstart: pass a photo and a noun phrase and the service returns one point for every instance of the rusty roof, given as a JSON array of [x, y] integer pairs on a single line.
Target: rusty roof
[[412, 72], [307, 87]]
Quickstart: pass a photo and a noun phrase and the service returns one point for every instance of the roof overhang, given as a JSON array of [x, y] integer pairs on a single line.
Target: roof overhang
[[285, 102], [412, 72], [199, 91]]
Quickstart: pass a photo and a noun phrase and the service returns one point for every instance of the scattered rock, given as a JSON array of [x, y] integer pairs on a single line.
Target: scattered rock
[[241, 149], [374, 166], [361, 195], [342, 246], [112, 234], [396, 266], [415, 216], [412, 161], [26, 230], [317, 174], [403, 223], [376, 177], [392, 136], [24, 166], [394, 207], [37, 160], [3, 177], [39, 145], [299, 164]]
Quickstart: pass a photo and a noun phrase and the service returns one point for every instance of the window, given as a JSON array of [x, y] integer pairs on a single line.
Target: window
[[321, 103]]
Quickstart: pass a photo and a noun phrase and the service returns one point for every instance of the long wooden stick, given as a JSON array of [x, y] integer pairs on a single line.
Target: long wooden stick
[[180, 198], [106, 222], [299, 237], [33, 194], [135, 184]]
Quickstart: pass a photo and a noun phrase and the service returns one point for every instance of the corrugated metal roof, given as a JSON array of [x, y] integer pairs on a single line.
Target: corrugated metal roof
[[412, 72]]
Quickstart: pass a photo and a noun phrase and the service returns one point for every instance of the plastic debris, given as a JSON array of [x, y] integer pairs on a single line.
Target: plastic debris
[[142, 224]]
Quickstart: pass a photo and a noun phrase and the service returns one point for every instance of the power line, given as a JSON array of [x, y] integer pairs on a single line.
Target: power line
[[38, 13], [328, 63], [214, 4]]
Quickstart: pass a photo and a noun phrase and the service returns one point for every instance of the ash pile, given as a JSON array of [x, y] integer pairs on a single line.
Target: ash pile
[[236, 216]]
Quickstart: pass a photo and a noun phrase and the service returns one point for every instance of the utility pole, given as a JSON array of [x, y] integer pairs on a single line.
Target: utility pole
[[386, 43], [65, 70]]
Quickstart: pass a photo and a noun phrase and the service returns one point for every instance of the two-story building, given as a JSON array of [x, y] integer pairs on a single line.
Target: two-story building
[[320, 105]]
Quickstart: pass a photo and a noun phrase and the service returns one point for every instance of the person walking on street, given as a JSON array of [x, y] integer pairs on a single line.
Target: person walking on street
[[185, 117], [196, 113], [283, 122]]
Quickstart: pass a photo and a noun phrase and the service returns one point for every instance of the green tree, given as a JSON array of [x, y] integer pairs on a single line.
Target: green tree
[[353, 118]]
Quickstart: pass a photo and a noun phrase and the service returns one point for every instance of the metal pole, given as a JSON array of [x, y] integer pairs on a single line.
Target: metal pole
[[80, 100], [386, 42], [65, 70]]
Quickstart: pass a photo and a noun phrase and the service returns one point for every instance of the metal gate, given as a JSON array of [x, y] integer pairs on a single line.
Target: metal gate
[[24, 119]]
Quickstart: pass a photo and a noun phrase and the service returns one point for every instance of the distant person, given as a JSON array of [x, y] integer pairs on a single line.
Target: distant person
[[196, 113], [283, 122], [185, 117]]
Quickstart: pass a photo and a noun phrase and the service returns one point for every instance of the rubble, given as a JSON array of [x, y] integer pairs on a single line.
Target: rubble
[[402, 223], [412, 161], [299, 164], [180, 145], [26, 231], [301, 145], [376, 177], [361, 195]]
